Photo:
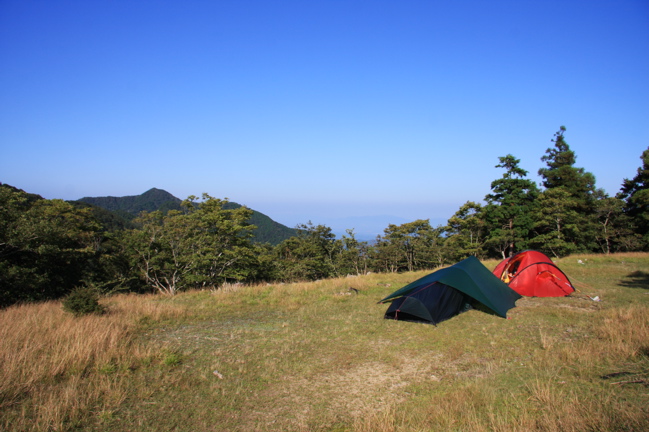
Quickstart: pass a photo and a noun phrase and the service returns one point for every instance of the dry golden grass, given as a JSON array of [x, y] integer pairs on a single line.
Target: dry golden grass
[[47, 356]]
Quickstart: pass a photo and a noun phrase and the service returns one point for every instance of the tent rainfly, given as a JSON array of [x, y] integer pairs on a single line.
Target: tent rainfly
[[533, 274], [449, 291]]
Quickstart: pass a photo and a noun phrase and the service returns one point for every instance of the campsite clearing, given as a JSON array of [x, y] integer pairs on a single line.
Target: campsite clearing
[[303, 357]]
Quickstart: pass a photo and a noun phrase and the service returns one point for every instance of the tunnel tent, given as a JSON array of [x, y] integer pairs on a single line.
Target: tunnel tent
[[448, 292], [533, 274]]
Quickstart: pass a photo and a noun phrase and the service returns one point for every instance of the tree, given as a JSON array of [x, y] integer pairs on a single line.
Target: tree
[[560, 172], [160, 250], [557, 223], [413, 240], [354, 257], [387, 255], [47, 247], [203, 245], [581, 194], [465, 232], [509, 208], [311, 255], [635, 193], [223, 248], [616, 231]]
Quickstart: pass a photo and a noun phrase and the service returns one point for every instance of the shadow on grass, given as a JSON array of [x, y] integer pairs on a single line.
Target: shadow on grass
[[637, 279]]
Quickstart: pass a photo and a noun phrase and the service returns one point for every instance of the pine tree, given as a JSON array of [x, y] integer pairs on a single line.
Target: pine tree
[[561, 172], [578, 196], [509, 208], [557, 223], [465, 232], [635, 193]]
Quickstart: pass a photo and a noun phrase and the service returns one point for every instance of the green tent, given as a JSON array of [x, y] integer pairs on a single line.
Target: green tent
[[447, 292]]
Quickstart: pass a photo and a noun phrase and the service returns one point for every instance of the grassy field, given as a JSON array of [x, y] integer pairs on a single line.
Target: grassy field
[[320, 357]]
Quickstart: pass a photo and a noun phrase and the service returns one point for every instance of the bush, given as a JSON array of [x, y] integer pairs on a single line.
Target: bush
[[83, 301]]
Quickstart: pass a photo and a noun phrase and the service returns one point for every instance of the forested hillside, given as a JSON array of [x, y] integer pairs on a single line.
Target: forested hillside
[[151, 200], [49, 247], [129, 207]]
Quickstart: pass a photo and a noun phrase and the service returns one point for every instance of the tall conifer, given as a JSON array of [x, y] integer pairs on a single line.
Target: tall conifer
[[635, 193], [561, 172], [510, 207], [573, 197]]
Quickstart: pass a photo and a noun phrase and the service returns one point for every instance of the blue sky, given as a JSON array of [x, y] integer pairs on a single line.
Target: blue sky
[[335, 112]]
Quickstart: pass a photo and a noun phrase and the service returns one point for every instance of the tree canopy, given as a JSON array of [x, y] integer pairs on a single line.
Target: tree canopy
[[510, 207], [48, 248]]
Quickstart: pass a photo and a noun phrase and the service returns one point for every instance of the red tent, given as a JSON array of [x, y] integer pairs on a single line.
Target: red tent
[[533, 274]]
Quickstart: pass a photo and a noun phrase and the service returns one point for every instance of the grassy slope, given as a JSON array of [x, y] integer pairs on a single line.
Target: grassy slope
[[318, 357]]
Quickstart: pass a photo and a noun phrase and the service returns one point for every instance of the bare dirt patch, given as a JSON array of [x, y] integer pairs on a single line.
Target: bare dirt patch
[[343, 395]]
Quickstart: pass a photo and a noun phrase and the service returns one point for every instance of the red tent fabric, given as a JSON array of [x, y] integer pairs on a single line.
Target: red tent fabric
[[533, 274]]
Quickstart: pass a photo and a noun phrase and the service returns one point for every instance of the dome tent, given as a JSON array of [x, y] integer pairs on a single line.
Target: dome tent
[[533, 274], [446, 292]]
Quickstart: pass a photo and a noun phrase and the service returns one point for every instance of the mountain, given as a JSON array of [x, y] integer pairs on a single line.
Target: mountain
[[268, 231], [31, 198], [128, 207]]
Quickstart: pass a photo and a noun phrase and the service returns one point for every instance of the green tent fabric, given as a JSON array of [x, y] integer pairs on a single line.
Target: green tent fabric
[[470, 277]]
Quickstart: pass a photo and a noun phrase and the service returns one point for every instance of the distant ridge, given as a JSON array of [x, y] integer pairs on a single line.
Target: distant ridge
[[128, 207], [151, 200]]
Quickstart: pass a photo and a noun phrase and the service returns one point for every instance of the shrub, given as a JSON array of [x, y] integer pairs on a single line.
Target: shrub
[[83, 301]]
